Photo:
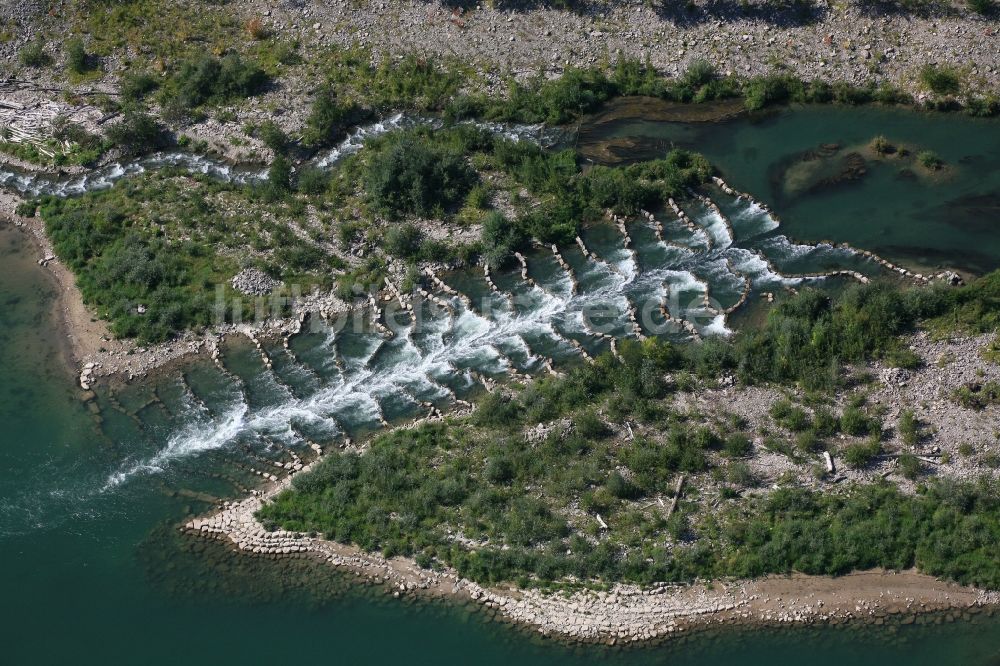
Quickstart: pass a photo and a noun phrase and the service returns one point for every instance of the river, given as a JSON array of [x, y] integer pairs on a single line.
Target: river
[[93, 570]]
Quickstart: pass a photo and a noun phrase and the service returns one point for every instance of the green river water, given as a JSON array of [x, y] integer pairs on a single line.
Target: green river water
[[92, 571]]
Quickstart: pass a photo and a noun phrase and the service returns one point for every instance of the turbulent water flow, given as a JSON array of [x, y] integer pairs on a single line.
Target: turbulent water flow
[[679, 272], [651, 276], [32, 183]]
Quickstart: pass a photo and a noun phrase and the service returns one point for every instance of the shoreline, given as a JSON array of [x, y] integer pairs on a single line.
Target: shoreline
[[625, 614], [90, 350]]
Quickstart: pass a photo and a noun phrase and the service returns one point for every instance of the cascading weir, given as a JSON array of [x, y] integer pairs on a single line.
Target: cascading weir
[[418, 371]]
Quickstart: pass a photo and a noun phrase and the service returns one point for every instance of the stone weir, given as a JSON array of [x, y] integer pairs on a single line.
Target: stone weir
[[574, 285], [623, 613], [686, 221], [902, 271]]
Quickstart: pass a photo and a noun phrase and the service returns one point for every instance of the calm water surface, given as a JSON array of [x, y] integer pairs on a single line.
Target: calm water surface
[[791, 158]]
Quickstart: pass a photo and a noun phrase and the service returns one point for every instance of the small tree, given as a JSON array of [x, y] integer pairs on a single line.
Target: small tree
[[137, 133], [77, 60]]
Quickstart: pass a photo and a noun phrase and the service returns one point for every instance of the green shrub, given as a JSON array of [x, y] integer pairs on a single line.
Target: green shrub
[[279, 174], [902, 357], [861, 454], [555, 101], [590, 426], [205, 79], [622, 488], [789, 416], [824, 422], [983, 7], [941, 80], [33, 54], [737, 445], [120, 266], [312, 181], [497, 409], [855, 422], [909, 466], [328, 118], [499, 471], [273, 137], [982, 107], [26, 208], [136, 85], [500, 239], [881, 145], [909, 427], [763, 91], [977, 396], [137, 133], [77, 59], [930, 160], [409, 174], [404, 241], [739, 474], [808, 442]]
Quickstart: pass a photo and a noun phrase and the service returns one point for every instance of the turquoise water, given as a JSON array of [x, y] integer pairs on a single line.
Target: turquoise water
[[895, 208], [97, 575], [92, 569]]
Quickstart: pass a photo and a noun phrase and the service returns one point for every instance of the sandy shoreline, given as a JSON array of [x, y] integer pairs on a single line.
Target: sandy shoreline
[[623, 614], [92, 351]]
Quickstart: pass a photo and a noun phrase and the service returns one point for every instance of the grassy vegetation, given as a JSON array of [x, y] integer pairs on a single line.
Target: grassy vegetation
[[166, 240], [33, 55], [977, 396], [475, 494], [444, 174], [414, 492], [941, 80]]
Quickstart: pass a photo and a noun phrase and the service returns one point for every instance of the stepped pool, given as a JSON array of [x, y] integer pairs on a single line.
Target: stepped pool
[[90, 492]]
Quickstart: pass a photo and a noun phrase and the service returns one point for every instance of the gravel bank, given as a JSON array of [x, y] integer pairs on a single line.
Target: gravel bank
[[830, 42], [624, 613]]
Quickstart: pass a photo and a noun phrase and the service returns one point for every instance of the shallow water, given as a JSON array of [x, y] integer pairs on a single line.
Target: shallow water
[[896, 208], [93, 570]]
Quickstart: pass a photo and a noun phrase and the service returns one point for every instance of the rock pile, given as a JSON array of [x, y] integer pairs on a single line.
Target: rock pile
[[254, 282]]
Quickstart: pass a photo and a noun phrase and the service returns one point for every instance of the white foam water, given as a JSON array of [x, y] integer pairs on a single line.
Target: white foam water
[[752, 220], [38, 184], [716, 228], [436, 352], [191, 439]]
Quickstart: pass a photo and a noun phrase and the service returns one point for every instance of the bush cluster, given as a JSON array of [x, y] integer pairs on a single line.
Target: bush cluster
[[411, 174]]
